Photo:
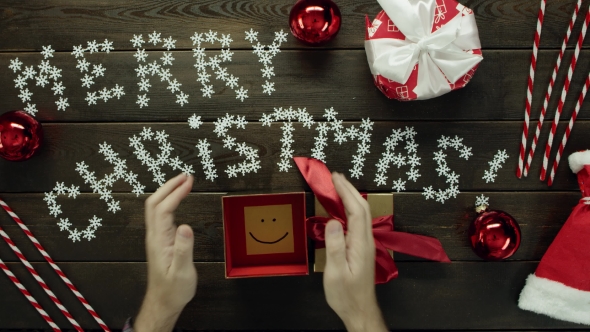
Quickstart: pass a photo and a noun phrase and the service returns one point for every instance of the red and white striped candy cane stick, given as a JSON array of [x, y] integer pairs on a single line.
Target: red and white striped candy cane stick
[[529, 93], [53, 265], [568, 131], [563, 96], [41, 282], [28, 295], [550, 88]]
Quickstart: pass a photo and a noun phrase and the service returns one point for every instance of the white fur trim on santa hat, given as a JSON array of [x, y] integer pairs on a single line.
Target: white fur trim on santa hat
[[577, 160], [555, 300]]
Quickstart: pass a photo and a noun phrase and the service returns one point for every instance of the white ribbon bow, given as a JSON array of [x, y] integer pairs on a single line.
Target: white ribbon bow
[[586, 200], [437, 54]]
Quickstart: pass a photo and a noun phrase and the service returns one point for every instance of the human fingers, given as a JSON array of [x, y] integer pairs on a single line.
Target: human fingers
[[357, 211], [164, 191], [170, 202], [335, 247], [183, 248]]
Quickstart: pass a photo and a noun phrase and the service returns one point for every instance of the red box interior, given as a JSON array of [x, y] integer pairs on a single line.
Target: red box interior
[[237, 263]]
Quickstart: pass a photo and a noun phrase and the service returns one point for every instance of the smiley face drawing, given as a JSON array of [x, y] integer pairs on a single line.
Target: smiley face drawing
[[269, 229]]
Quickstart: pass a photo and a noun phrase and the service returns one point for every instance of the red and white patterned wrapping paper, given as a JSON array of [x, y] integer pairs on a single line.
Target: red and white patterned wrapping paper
[[421, 49]]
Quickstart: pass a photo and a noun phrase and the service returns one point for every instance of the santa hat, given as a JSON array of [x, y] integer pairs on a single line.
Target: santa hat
[[560, 287]]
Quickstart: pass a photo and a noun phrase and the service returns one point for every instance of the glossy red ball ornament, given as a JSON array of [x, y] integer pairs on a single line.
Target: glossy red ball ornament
[[494, 235], [20, 136], [315, 21]]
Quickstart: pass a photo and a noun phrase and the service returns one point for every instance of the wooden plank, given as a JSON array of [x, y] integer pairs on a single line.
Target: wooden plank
[[28, 25], [121, 236], [474, 296], [314, 79], [67, 144]]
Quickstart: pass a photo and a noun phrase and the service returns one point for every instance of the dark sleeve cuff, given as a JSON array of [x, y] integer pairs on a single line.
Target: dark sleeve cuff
[[128, 325]]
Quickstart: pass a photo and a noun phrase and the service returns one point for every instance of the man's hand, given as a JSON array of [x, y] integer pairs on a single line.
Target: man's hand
[[172, 277], [349, 275]]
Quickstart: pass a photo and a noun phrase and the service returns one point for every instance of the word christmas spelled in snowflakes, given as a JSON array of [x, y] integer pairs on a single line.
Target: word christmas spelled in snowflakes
[[400, 153]]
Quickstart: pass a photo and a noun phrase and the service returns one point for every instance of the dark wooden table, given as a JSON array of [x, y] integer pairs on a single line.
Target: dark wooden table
[[110, 270]]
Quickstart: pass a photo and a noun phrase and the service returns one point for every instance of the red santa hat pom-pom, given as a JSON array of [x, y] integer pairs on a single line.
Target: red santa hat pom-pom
[[560, 287], [578, 160]]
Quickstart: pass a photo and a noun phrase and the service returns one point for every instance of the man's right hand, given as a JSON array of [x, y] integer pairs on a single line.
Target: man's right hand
[[349, 275]]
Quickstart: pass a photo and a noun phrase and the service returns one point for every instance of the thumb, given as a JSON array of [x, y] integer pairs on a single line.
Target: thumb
[[183, 248], [335, 246]]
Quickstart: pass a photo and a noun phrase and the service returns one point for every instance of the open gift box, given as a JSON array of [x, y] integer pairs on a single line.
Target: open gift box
[[265, 235], [380, 205], [319, 179]]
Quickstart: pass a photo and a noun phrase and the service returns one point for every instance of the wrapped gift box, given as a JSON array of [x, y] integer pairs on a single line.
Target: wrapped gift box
[[381, 205], [421, 49], [265, 235]]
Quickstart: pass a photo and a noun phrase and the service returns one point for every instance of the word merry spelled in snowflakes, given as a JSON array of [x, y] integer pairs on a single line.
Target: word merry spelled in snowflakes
[[206, 67], [330, 130]]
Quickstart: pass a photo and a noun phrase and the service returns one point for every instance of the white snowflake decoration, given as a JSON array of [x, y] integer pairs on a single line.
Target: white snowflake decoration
[[155, 68], [15, 65], [202, 62], [195, 121], [482, 200], [268, 87], [495, 165], [101, 187], [288, 115], [266, 54], [390, 158], [207, 161], [341, 135], [451, 178], [93, 71], [42, 78], [251, 162], [163, 158]]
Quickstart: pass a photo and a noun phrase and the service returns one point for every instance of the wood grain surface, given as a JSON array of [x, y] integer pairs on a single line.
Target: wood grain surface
[[27, 26], [468, 294], [67, 144], [540, 216], [439, 296], [318, 80]]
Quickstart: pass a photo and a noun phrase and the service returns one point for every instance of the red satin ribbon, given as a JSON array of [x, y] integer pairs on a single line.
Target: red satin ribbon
[[319, 179]]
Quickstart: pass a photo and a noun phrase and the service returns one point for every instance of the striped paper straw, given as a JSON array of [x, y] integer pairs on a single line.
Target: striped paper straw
[[56, 268], [41, 282], [28, 295], [568, 131], [563, 96], [529, 95], [550, 88]]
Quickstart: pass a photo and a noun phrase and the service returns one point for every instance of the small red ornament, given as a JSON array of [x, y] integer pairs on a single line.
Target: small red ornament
[[494, 235], [315, 21], [20, 135]]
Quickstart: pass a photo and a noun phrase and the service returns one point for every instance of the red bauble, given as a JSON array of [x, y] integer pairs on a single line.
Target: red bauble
[[315, 21], [494, 235], [20, 135]]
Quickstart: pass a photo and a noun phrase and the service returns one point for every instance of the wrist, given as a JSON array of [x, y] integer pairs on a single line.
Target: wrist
[[368, 318], [155, 316]]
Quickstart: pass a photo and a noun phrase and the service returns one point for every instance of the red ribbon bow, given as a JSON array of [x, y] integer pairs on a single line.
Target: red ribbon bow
[[319, 179]]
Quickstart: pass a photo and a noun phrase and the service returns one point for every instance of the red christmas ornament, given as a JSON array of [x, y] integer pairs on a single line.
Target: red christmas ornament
[[494, 235], [20, 135], [315, 21]]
